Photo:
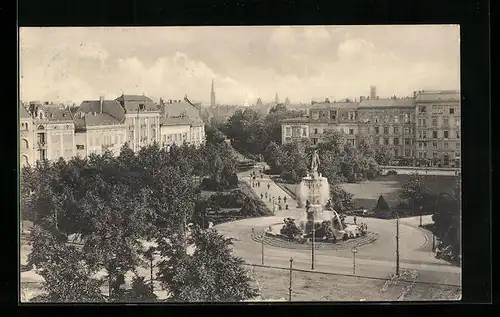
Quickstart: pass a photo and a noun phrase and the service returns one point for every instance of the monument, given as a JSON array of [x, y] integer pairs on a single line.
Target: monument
[[315, 190]]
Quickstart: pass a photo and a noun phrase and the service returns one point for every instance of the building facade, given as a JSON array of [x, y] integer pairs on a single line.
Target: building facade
[[423, 130], [438, 128], [142, 120], [390, 124], [99, 126], [26, 137]]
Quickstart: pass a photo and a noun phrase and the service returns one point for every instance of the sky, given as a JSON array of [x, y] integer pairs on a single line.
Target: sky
[[301, 63]]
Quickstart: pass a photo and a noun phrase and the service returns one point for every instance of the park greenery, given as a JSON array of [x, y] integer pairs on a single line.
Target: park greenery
[[445, 208], [114, 204]]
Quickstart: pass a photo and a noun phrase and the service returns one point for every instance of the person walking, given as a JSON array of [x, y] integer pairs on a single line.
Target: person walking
[[286, 206], [284, 199], [279, 199], [261, 196], [355, 219], [265, 194], [268, 185]]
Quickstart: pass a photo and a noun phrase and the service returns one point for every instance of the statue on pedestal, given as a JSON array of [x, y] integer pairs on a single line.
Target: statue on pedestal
[[315, 162]]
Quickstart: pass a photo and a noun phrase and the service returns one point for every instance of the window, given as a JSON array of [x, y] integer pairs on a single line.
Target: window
[[458, 134], [457, 121], [425, 145], [396, 152], [445, 121], [425, 154], [315, 131], [422, 109], [288, 139], [445, 134], [457, 154], [288, 130], [396, 119], [420, 155], [424, 122], [434, 134], [381, 141], [377, 130], [351, 131], [407, 141], [445, 145], [304, 131], [424, 134], [396, 130], [406, 130], [314, 141], [352, 115], [315, 115], [434, 154], [396, 141], [452, 110], [386, 130], [434, 121], [333, 114], [407, 152], [457, 145], [25, 144], [386, 141], [376, 119], [434, 145]]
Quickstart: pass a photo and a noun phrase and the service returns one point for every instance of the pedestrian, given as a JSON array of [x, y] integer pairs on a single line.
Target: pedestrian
[[268, 186], [279, 207], [284, 199], [266, 194], [261, 176], [261, 196], [286, 206], [355, 219], [279, 199], [258, 184]]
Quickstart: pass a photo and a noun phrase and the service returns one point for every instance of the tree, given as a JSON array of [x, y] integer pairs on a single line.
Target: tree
[[382, 209], [384, 156], [140, 291], [213, 135], [415, 191], [340, 200], [211, 273]]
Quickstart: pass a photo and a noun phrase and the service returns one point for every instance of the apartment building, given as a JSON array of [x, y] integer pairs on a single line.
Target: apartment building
[[142, 120], [323, 117], [438, 127], [180, 122], [53, 130], [26, 137], [389, 123], [100, 126]]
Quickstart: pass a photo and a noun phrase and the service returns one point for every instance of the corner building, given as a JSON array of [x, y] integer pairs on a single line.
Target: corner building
[[438, 128]]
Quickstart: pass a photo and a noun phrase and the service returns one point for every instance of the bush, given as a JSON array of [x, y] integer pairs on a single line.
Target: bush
[[392, 173]]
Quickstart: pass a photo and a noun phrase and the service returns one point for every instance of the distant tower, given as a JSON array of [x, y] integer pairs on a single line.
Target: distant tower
[[373, 92], [259, 103], [276, 99], [212, 95], [287, 101]]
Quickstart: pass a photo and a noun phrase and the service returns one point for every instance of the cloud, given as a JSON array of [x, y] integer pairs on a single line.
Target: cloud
[[245, 62]]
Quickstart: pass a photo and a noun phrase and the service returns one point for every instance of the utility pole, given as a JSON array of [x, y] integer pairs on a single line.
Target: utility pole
[[354, 250], [151, 273], [290, 287], [312, 244], [262, 250], [397, 244]]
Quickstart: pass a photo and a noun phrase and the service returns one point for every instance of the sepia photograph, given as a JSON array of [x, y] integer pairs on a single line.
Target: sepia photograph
[[240, 164]]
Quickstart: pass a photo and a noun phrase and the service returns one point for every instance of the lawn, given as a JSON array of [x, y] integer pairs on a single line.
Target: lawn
[[366, 193], [306, 286]]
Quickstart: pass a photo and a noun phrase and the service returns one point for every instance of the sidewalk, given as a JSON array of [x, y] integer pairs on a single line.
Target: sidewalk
[[274, 191]]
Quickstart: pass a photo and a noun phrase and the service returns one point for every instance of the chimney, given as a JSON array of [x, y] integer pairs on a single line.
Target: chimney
[[101, 101]]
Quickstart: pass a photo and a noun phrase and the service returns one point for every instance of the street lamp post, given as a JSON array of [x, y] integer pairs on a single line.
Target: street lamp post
[[397, 244], [354, 250], [290, 287], [262, 250]]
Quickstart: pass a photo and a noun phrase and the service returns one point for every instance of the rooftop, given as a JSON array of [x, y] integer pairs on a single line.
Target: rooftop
[[295, 120], [443, 95], [386, 103], [56, 114], [135, 103], [335, 105], [23, 112], [83, 120], [110, 107]]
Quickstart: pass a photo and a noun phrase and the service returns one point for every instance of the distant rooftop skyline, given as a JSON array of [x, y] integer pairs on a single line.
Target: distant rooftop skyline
[[301, 63]]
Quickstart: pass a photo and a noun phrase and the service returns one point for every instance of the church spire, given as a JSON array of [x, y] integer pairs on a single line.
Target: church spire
[[276, 99], [212, 95]]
